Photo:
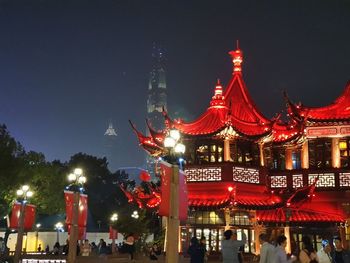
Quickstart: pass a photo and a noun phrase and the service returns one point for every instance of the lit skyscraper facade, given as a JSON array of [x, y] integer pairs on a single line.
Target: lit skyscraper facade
[[157, 94]]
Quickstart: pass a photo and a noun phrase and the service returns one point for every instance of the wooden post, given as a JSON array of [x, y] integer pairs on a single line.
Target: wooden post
[[227, 219], [227, 153], [173, 224], [335, 153], [261, 151], [305, 155], [19, 244], [288, 159], [287, 234], [73, 237]]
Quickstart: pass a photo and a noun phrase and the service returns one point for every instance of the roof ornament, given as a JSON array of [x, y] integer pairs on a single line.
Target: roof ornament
[[218, 100], [237, 59]]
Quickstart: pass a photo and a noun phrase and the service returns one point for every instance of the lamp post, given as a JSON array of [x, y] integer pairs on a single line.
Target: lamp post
[[37, 226], [59, 228], [114, 218], [175, 149], [77, 180], [23, 194]]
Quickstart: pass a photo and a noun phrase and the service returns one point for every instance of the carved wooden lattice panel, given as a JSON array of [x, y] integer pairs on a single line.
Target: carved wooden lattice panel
[[203, 174], [246, 175], [324, 180], [278, 181], [297, 180], [344, 179]]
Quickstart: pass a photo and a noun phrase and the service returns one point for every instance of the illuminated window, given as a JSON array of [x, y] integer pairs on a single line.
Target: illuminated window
[[240, 218], [344, 147], [320, 153], [210, 153], [244, 152], [206, 218]]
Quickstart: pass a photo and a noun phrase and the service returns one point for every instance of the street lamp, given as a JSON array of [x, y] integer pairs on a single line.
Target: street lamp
[[113, 218], [77, 180], [23, 195], [59, 228], [175, 149], [37, 226], [135, 215]]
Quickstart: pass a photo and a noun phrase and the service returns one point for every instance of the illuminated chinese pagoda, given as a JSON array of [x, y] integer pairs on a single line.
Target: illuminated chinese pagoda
[[256, 174]]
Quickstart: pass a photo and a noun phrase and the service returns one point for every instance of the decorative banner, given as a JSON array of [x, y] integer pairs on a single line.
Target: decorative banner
[[81, 234], [113, 233], [83, 208], [164, 208], [29, 216]]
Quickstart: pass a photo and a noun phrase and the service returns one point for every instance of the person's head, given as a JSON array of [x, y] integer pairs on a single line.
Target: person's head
[[101, 240], [1, 239], [263, 238], [337, 242], [228, 234], [307, 244], [281, 241], [326, 246], [194, 241], [86, 241], [202, 240], [155, 246]]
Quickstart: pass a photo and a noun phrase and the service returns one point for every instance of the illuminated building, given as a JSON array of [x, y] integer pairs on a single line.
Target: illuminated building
[[157, 96], [256, 174]]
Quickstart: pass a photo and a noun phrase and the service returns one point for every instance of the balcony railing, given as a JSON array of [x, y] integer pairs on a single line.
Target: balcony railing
[[327, 179]]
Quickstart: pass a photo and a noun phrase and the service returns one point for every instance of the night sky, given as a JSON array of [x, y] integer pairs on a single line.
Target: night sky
[[68, 67]]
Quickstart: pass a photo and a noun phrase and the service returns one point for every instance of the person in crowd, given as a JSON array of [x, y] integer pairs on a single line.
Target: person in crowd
[[103, 251], [130, 245], [86, 248], [308, 253], [2, 249], [66, 247], [47, 249], [267, 251], [203, 244], [99, 245], [154, 252], [39, 248], [56, 249], [230, 246], [324, 255], [94, 249], [339, 255], [280, 251], [196, 251]]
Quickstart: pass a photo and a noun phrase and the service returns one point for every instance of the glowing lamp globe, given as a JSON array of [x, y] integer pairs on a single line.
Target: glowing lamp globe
[[230, 188], [180, 148], [144, 176], [29, 194], [72, 177], [82, 180], [169, 142], [175, 134], [20, 192], [25, 188], [78, 171]]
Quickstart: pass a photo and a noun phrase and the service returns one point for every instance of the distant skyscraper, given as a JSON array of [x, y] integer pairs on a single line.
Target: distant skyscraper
[[110, 139], [157, 95]]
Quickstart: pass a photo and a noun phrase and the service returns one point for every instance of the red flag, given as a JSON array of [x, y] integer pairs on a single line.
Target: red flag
[[113, 233], [166, 171], [29, 216]]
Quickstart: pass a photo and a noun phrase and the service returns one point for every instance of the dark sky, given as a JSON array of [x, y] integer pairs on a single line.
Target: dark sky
[[68, 67]]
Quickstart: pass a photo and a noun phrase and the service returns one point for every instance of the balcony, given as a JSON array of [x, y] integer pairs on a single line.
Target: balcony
[[328, 179]]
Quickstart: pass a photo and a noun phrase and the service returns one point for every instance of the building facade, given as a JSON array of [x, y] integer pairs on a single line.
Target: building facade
[[256, 174]]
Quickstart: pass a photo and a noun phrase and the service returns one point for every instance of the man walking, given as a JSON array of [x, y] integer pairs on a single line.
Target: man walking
[[267, 251]]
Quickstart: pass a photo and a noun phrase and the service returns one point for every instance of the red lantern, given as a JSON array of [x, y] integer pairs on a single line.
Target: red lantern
[[144, 176]]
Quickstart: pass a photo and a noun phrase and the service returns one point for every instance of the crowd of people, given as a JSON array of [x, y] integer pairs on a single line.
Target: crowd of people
[[275, 252]]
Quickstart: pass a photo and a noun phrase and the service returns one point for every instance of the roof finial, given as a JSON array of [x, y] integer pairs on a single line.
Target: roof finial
[[218, 82], [237, 44], [237, 59]]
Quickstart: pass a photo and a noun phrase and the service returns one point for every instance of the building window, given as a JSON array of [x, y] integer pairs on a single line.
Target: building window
[[296, 159], [239, 218], [320, 153], [278, 159], [206, 217], [344, 147], [244, 152], [210, 153]]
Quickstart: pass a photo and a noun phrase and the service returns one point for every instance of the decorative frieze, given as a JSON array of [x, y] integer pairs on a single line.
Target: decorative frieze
[[203, 174], [245, 175]]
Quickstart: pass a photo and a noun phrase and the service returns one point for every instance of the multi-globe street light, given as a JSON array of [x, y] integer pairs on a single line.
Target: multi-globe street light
[[113, 219], [23, 194], [77, 180], [58, 228], [37, 227], [135, 215], [174, 150]]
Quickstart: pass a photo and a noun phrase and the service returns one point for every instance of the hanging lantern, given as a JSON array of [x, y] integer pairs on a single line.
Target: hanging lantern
[[145, 177]]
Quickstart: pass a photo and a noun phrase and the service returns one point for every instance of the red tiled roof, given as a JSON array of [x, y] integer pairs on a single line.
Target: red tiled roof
[[279, 216]]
